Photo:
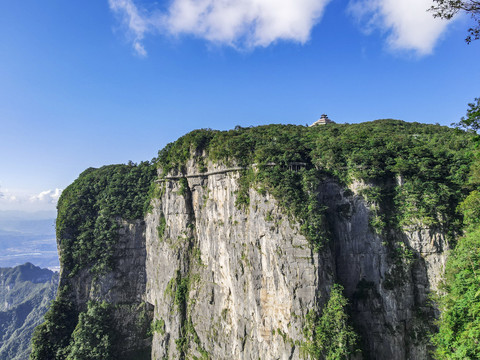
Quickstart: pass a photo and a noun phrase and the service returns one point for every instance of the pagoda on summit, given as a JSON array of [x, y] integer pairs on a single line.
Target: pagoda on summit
[[323, 121]]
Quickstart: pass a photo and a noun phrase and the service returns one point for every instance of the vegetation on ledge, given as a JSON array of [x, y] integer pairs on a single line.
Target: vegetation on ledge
[[89, 209], [329, 335]]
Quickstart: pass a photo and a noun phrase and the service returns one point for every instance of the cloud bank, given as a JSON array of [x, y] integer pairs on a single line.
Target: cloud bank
[[252, 23], [407, 23], [45, 200], [238, 23]]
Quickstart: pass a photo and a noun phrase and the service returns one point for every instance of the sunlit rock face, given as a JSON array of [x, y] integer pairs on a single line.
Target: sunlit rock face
[[229, 281]]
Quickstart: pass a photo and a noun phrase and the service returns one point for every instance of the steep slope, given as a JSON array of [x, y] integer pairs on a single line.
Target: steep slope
[[245, 233], [239, 283], [100, 310], [25, 295]]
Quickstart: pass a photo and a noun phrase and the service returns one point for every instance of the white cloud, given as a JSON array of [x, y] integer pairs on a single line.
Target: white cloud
[[253, 22], [242, 23], [18, 200], [136, 22], [47, 197], [407, 23]]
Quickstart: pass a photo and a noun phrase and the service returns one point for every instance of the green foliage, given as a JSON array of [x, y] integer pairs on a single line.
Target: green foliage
[[155, 192], [420, 170], [472, 121], [51, 339], [296, 192], [174, 156], [181, 294], [89, 209], [93, 337], [459, 324], [459, 300], [158, 326], [470, 208], [417, 171], [182, 191], [243, 192], [329, 336], [162, 225]]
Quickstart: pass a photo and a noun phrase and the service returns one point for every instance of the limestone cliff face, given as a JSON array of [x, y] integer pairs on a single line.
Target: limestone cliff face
[[252, 276], [388, 288], [228, 282]]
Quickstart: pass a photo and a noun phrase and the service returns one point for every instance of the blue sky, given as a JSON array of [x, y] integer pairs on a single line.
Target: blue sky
[[89, 83]]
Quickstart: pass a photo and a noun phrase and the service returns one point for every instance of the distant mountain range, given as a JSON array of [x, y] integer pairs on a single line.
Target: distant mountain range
[[25, 295], [28, 237]]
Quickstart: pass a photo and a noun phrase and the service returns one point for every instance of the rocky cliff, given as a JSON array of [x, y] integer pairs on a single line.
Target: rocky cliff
[[251, 277], [238, 250]]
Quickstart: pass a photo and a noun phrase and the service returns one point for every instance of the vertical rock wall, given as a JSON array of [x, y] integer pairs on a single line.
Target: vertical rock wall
[[387, 279], [236, 282], [252, 278]]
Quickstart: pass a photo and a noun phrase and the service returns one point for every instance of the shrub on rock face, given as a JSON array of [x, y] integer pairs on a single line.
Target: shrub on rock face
[[93, 336], [50, 340], [330, 336]]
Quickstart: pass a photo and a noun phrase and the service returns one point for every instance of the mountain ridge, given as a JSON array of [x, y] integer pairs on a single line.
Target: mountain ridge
[[25, 294]]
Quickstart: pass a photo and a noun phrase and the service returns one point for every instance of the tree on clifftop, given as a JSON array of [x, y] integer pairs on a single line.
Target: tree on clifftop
[[472, 121], [446, 9]]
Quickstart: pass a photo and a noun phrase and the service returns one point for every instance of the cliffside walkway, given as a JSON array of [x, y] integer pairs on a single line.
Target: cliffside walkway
[[295, 166], [216, 172]]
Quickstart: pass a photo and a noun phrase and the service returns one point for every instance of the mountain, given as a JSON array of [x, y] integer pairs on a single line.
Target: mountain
[[28, 237], [25, 295], [273, 242]]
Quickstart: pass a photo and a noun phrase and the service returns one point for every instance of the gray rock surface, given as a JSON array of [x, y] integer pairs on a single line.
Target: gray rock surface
[[252, 277]]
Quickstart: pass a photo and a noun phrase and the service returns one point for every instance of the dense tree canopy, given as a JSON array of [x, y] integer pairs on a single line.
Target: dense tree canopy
[[93, 336]]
